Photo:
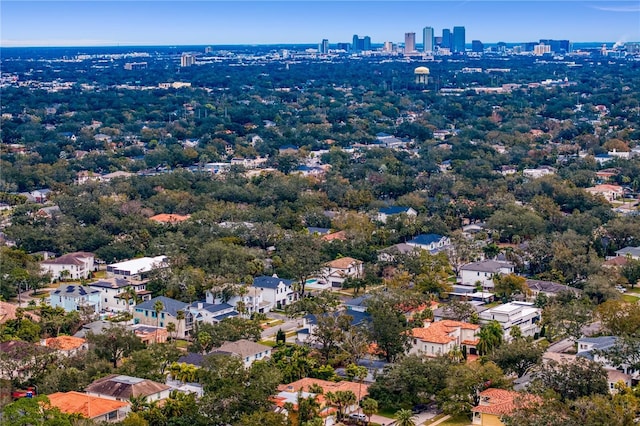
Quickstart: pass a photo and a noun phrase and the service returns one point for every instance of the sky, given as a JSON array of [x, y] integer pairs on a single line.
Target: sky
[[211, 22]]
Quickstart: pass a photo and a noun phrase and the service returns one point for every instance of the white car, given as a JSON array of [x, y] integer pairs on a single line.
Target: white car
[[621, 289], [357, 416]]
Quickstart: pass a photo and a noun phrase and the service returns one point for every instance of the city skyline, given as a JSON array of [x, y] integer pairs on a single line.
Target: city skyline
[[139, 23]]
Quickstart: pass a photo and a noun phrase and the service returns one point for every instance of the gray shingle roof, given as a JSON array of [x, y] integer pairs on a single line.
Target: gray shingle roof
[[269, 282], [171, 306], [486, 266], [73, 290]]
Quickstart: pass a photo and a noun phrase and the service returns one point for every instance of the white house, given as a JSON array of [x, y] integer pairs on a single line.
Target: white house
[[145, 313], [122, 388], [337, 271], [137, 269], [609, 192], [522, 314], [539, 172], [433, 242], [389, 254], [119, 294], [251, 298], [276, 291], [484, 272], [386, 212], [589, 347], [441, 337], [73, 266], [248, 351], [211, 313], [632, 252]]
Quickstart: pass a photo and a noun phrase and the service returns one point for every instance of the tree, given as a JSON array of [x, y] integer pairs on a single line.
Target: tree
[[35, 411], [114, 343], [462, 251], [263, 418], [369, 408], [567, 319], [341, 400], [301, 258], [571, 380], [518, 356], [412, 380], [508, 285], [404, 418], [171, 329], [619, 318], [459, 310], [179, 318], [329, 333], [158, 307], [490, 338], [631, 271], [389, 326], [465, 381]]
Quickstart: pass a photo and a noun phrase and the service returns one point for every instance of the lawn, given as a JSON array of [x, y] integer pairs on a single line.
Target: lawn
[[630, 298]]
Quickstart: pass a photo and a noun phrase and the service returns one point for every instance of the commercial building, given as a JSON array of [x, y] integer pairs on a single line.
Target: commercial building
[[459, 40], [427, 39], [409, 42]]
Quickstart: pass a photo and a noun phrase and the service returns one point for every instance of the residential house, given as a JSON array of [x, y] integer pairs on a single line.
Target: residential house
[[313, 230], [339, 235], [121, 295], [211, 313], [337, 271], [521, 314], [276, 291], [49, 212], [441, 337], [593, 348], [115, 175], [248, 351], [123, 388], [483, 272], [434, 243], [8, 312], [495, 403], [75, 266], [632, 252], [74, 297], [23, 358], [470, 294], [539, 172], [609, 192], [145, 313], [137, 269], [149, 334], [386, 212], [288, 392], [90, 407], [549, 288], [389, 254], [66, 345], [251, 300], [310, 323]]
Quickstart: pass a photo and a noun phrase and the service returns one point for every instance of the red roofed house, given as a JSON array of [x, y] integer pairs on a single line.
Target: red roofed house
[[495, 403], [91, 407], [441, 337], [609, 192], [66, 345], [340, 235], [169, 218]]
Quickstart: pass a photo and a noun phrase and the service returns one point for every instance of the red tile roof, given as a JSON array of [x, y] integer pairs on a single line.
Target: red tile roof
[[439, 331], [64, 343], [169, 218], [501, 401], [81, 403]]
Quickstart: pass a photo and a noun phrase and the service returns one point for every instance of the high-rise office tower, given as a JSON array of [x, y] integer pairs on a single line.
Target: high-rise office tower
[[366, 43], [459, 42], [446, 38], [186, 60], [409, 42], [477, 46], [427, 39], [356, 42], [324, 46]]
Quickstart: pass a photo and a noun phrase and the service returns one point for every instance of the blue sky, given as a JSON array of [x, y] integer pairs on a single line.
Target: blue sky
[[207, 22]]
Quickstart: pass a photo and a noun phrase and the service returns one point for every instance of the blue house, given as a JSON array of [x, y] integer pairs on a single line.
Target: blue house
[[73, 297]]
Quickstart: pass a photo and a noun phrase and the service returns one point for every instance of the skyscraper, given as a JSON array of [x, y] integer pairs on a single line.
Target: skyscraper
[[477, 46], [324, 46], [427, 39], [459, 42], [187, 59], [360, 44], [409, 42], [446, 38]]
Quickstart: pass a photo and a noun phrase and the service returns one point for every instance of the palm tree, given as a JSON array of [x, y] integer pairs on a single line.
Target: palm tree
[[490, 336], [158, 306], [369, 408], [128, 294], [171, 329], [179, 317], [405, 418]]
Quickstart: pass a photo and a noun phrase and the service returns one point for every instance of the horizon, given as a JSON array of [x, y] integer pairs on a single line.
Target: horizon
[[209, 22]]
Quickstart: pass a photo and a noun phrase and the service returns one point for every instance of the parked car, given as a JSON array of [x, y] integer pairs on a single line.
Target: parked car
[[621, 289], [357, 416]]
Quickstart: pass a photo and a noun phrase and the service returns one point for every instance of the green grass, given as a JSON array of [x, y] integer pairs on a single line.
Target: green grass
[[630, 298], [182, 344]]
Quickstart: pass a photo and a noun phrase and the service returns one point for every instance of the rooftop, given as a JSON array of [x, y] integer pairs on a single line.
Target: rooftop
[[171, 306], [124, 387], [69, 259], [74, 290], [64, 343], [491, 266], [136, 266], [86, 405], [243, 348], [270, 282], [169, 218], [343, 263]]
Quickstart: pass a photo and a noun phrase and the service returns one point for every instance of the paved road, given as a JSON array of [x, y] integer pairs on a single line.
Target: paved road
[[288, 325]]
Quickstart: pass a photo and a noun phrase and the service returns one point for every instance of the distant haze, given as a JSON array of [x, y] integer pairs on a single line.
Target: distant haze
[[142, 22]]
